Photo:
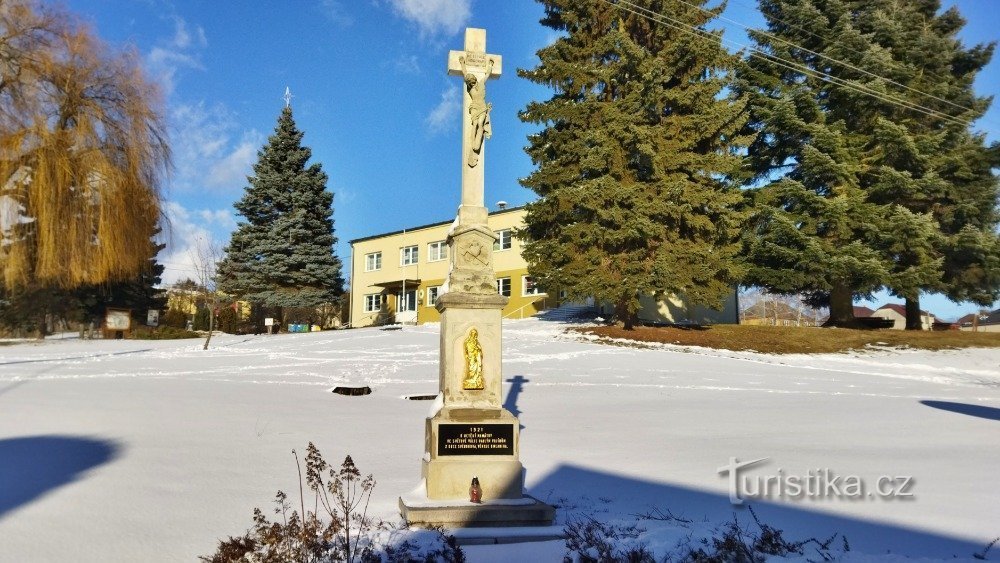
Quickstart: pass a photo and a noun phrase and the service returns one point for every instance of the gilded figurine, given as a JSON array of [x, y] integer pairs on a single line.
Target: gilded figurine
[[473, 363]]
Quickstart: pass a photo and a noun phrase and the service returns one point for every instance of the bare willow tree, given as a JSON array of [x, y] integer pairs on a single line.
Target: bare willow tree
[[83, 151]]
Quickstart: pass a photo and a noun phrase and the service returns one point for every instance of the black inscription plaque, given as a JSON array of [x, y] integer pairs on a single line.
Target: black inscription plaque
[[475, 439]]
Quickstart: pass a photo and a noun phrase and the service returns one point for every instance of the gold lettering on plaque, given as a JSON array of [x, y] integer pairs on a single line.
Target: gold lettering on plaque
[[473, 363]]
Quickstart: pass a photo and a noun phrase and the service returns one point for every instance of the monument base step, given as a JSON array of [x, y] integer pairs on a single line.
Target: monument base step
[[508, 535], [501, 513]]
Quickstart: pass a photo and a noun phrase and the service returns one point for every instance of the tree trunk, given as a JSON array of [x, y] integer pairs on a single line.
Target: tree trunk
[[211, 327], [841, 306], [627, 317], [40, 328], [913, 320]]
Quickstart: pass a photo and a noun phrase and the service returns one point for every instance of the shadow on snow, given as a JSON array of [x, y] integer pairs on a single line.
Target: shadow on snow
[[568, 485], [979, 411], [33, 466]]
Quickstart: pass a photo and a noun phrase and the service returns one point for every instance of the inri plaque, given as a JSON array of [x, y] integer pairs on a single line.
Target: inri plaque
[[475, 439]]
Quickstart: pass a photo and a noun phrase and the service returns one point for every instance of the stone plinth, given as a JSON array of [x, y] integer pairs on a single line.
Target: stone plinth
[[463, 443], [460, 314], [526, 511]]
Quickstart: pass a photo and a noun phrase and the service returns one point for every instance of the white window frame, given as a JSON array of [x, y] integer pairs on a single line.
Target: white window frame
[[370, 302], [498, 245], [509, 286], [524, 286], [442, 251], [373, 257], [432, 295], [413, 255]]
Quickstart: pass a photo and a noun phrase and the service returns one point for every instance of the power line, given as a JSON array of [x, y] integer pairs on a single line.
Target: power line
[[812, 33], [849, 84], [831, 59], [797, 67]]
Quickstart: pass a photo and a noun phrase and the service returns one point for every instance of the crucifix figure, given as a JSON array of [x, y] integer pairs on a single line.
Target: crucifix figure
[[479, 110], [475, 67]]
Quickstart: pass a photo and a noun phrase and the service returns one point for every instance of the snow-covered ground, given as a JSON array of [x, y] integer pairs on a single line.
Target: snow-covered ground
[[153, 450]]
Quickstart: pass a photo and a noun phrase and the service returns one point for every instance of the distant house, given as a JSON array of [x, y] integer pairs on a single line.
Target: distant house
[[897, 313], [774, 312], [861, 312], [981, 322]]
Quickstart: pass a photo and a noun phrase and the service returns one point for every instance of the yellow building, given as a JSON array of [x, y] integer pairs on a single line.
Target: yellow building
[[396, 277]]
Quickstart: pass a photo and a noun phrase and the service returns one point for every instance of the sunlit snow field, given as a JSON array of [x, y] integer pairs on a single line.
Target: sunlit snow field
[[153, 450]]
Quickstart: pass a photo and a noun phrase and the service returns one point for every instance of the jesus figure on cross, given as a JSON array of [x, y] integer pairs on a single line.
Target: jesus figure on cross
[[479, 110]]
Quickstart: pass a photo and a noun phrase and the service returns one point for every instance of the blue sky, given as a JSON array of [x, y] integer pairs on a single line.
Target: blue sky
[[371, 93]]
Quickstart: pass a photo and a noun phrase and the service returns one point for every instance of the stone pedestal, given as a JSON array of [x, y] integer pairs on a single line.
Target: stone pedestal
[[466, 443]]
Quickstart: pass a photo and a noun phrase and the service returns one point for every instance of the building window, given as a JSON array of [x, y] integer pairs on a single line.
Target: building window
[[432, 295], [437, 251], [373, 261], [503, 286], [528, 286], [373, 302], [503, 241], [408, 255]]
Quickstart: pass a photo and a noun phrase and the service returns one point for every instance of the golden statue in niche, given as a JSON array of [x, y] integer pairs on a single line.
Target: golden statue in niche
[[473, 363]]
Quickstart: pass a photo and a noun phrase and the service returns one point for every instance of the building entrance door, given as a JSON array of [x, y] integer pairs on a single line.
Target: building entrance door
[[406, 306]]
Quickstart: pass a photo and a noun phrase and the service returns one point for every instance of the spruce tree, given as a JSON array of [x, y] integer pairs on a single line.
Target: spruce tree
[[635, 160], [281, 254], [858, 190], [929, 161], [813, 226]]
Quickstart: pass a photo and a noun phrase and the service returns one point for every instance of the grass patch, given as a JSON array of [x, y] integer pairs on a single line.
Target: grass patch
[[162, 333], [798, 340]]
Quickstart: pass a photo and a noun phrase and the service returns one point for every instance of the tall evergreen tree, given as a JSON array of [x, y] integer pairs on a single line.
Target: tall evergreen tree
[[635, 160], [930, 162], [815, 230], [281, 254], [860, 187]]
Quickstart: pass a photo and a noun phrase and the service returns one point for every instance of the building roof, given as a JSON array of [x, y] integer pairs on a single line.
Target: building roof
[[991, 318], [421, 227], [901, 309], [861, 311], [966, 319]]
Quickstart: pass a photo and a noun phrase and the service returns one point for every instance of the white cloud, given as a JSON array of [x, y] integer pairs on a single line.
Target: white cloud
[[335, 12], [207, 152], [445, 115], [408, 64], [183, 38], [435, 17], [164, 64], [232, 170], [223, 218], [188, 232], [179, 52]]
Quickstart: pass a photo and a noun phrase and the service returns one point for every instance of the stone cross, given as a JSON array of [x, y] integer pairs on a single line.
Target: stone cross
[[472, 443], [475, 67]]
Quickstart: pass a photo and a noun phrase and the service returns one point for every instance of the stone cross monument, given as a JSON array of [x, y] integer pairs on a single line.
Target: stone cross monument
[[471, 436]]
